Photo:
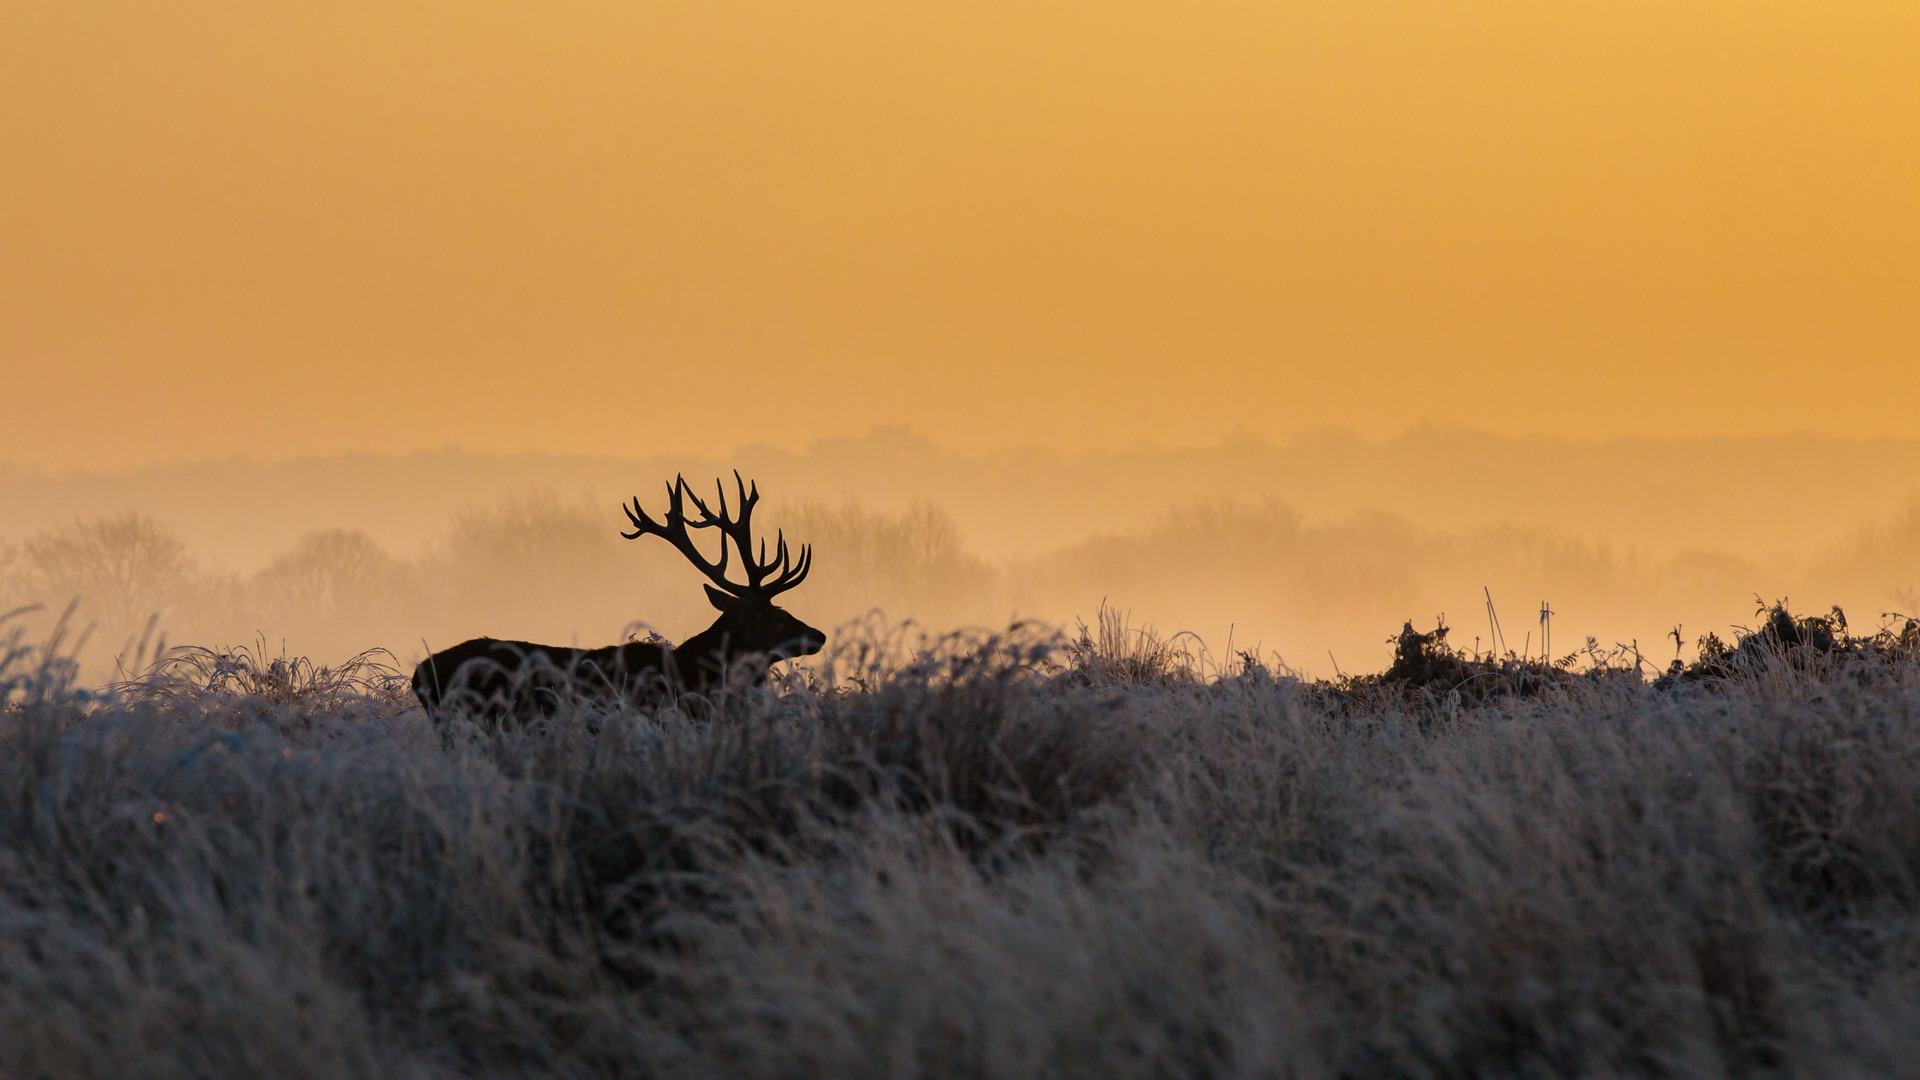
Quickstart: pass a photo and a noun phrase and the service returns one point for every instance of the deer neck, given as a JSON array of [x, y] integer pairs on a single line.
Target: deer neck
[[701, 660]]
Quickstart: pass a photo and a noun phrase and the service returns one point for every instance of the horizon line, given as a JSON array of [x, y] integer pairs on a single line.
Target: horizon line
[[905, 434]]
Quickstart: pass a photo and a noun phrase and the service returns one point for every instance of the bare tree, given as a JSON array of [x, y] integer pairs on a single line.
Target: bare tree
[[327, 574], [123, 569]]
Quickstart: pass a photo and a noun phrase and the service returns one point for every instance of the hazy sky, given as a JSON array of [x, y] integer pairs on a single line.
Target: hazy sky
[[277, 228]]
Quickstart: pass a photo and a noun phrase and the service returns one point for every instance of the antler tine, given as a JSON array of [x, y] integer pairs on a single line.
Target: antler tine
[[762, 565], [673, 529], [684, 490], [708, 519], [642, 524], [740, 529], [720, 572], [679, 492], [734, 532], [793, 575], [676, 507], [790, 572], [748, 496]]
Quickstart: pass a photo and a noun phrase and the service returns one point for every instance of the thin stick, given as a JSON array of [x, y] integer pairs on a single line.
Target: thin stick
[[1499, 638]]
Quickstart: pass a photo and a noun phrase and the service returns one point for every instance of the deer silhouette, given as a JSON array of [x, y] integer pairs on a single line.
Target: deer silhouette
[[522, 680]]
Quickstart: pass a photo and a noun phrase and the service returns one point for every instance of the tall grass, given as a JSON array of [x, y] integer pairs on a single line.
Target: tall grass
[[969, 856]]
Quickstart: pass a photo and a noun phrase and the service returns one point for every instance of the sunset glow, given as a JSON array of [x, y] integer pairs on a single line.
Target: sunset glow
[[620, 228]]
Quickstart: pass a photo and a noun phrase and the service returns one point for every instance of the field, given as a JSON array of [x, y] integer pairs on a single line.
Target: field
[[1014, 855]]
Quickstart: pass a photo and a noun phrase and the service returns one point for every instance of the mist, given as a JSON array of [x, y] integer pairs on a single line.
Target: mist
[[1312, 554]]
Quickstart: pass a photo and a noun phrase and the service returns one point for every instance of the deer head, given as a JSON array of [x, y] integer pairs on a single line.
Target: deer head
[[749, 620]]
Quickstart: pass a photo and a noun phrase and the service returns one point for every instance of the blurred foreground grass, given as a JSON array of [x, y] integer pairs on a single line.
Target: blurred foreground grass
[[979, 855]]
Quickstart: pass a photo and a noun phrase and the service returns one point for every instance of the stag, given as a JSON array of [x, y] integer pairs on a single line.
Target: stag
[[522, 680]]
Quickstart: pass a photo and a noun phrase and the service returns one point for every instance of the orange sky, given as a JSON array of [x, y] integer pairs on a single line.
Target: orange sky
[[634, 227]]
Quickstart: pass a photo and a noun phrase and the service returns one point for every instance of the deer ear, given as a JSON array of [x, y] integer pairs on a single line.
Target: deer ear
[[722, 601]]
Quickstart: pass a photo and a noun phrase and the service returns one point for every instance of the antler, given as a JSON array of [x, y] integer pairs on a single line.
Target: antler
[[739, 531]]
